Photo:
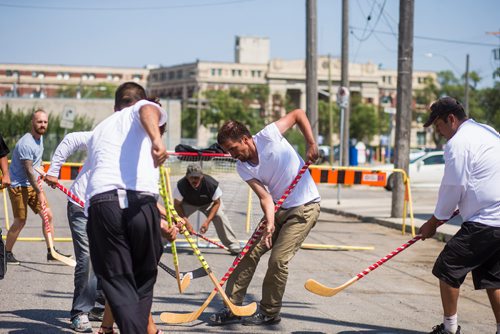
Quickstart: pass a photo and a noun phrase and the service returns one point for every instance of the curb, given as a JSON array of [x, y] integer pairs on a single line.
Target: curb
[[440, 236]]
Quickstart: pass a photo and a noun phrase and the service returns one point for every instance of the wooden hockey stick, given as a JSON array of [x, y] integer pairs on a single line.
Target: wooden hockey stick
[[179, 318], [221, 246], [323, 290], [186, 280], [64, 259], [197, 273]]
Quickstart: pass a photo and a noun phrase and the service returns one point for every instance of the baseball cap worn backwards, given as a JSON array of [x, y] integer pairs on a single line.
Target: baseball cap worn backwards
[[194, 170], [442, 107]]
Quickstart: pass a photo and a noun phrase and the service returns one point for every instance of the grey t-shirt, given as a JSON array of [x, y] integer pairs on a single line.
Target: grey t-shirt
[[27, 148]]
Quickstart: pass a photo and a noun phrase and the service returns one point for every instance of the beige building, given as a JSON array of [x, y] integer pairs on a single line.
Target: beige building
[[43, 81], [285, 78]]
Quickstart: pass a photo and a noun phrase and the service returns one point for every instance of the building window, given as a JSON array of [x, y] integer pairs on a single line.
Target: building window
[[59, 75], [91, 76], [179, 74], [137, 77], [163, 76], [236, 73], [109, 77], [171, 75], [8, 73], [66, 76], [213, 71]]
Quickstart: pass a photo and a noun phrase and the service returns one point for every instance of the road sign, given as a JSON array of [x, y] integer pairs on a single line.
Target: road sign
[[68, 117], [343, 97]]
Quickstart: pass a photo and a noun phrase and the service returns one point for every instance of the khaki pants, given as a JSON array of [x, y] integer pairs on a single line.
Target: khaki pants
[[292, 227]]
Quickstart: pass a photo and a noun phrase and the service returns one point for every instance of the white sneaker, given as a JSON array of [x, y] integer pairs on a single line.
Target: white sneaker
[[81, 323]]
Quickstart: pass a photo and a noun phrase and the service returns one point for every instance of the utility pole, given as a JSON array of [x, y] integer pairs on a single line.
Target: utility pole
[[403, 102], [344, 81], [330, 108], [311, 66], [466, 90]]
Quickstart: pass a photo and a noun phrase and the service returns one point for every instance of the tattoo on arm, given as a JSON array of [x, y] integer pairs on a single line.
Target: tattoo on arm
[[30, 172]]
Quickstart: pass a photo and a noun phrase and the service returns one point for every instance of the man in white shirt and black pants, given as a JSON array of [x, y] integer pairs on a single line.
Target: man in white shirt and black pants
[[124, 222], [471, 182]]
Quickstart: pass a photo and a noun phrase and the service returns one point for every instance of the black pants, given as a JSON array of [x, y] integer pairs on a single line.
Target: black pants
[[125, 247]]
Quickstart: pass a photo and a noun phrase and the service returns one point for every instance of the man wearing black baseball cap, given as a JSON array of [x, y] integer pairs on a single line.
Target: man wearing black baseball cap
[[470, 182], [199, 192]]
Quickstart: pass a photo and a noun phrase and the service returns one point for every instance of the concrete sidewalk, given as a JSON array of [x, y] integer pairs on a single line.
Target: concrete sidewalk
[[373, 204]]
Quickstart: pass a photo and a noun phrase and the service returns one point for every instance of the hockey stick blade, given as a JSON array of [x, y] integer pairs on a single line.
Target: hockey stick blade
[[325, 291], [182, 318], [194, 274]]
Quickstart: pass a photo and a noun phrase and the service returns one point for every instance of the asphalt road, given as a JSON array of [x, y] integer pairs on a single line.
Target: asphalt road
[[402, 296]]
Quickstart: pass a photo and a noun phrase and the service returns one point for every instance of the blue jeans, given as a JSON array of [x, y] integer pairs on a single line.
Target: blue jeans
[[84, 295]]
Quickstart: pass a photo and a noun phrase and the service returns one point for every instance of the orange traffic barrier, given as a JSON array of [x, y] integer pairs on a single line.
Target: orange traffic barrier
[[68, 171], [342, 176]]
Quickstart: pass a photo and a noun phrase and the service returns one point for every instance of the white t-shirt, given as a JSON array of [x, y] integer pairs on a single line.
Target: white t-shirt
[[471, 178], [120, 154], [278, 165], [70, 144]]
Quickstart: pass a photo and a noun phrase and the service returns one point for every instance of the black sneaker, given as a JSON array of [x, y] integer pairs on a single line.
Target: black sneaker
[[96, 314], [9, 256], [223, 317], [259, 319], [51, 258], [439, 329]]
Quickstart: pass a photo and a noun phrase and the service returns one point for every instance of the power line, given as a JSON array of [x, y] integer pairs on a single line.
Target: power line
[[432, 38], [211, 4]]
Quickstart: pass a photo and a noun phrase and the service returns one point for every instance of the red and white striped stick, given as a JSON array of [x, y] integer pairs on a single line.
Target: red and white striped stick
[[64, 190], [323, 290], [177, 318]]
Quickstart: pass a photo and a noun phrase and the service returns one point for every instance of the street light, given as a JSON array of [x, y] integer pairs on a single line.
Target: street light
[[466, 85]]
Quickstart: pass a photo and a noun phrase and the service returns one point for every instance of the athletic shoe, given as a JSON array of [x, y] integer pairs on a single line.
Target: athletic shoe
[[10, 258], [51, 258], [96, 314], [259, 319], [81, 323], [223, 317], [439, 329]]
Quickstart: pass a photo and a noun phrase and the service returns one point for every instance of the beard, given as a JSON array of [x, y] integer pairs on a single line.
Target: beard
[[41, 131]]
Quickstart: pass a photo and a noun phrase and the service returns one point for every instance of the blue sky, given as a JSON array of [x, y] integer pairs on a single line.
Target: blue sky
[[168, 32]]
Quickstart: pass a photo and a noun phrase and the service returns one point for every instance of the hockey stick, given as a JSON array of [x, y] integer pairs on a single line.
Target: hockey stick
[[63, 189], [182, 285], [197, 273], [66, 260], [323, 290], [179, 318], [235, 309], [206, 239]]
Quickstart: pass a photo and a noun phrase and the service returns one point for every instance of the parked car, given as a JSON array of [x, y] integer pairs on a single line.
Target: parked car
[[427, 168]]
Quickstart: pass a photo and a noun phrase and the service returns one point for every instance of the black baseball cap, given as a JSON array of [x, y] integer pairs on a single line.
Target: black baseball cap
[[444, 106], [194, 170]]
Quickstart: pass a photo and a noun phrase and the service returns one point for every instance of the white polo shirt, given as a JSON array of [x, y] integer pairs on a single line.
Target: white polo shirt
[[120, 154], [278, 165], [471, 178]]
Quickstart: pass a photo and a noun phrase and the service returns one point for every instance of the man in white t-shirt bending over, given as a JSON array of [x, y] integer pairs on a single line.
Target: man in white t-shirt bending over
[[269, 164]]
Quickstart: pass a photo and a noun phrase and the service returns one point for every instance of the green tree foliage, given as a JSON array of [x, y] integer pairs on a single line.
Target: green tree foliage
[[484, 104], [489, 102], [13, 125], [247, 106]]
